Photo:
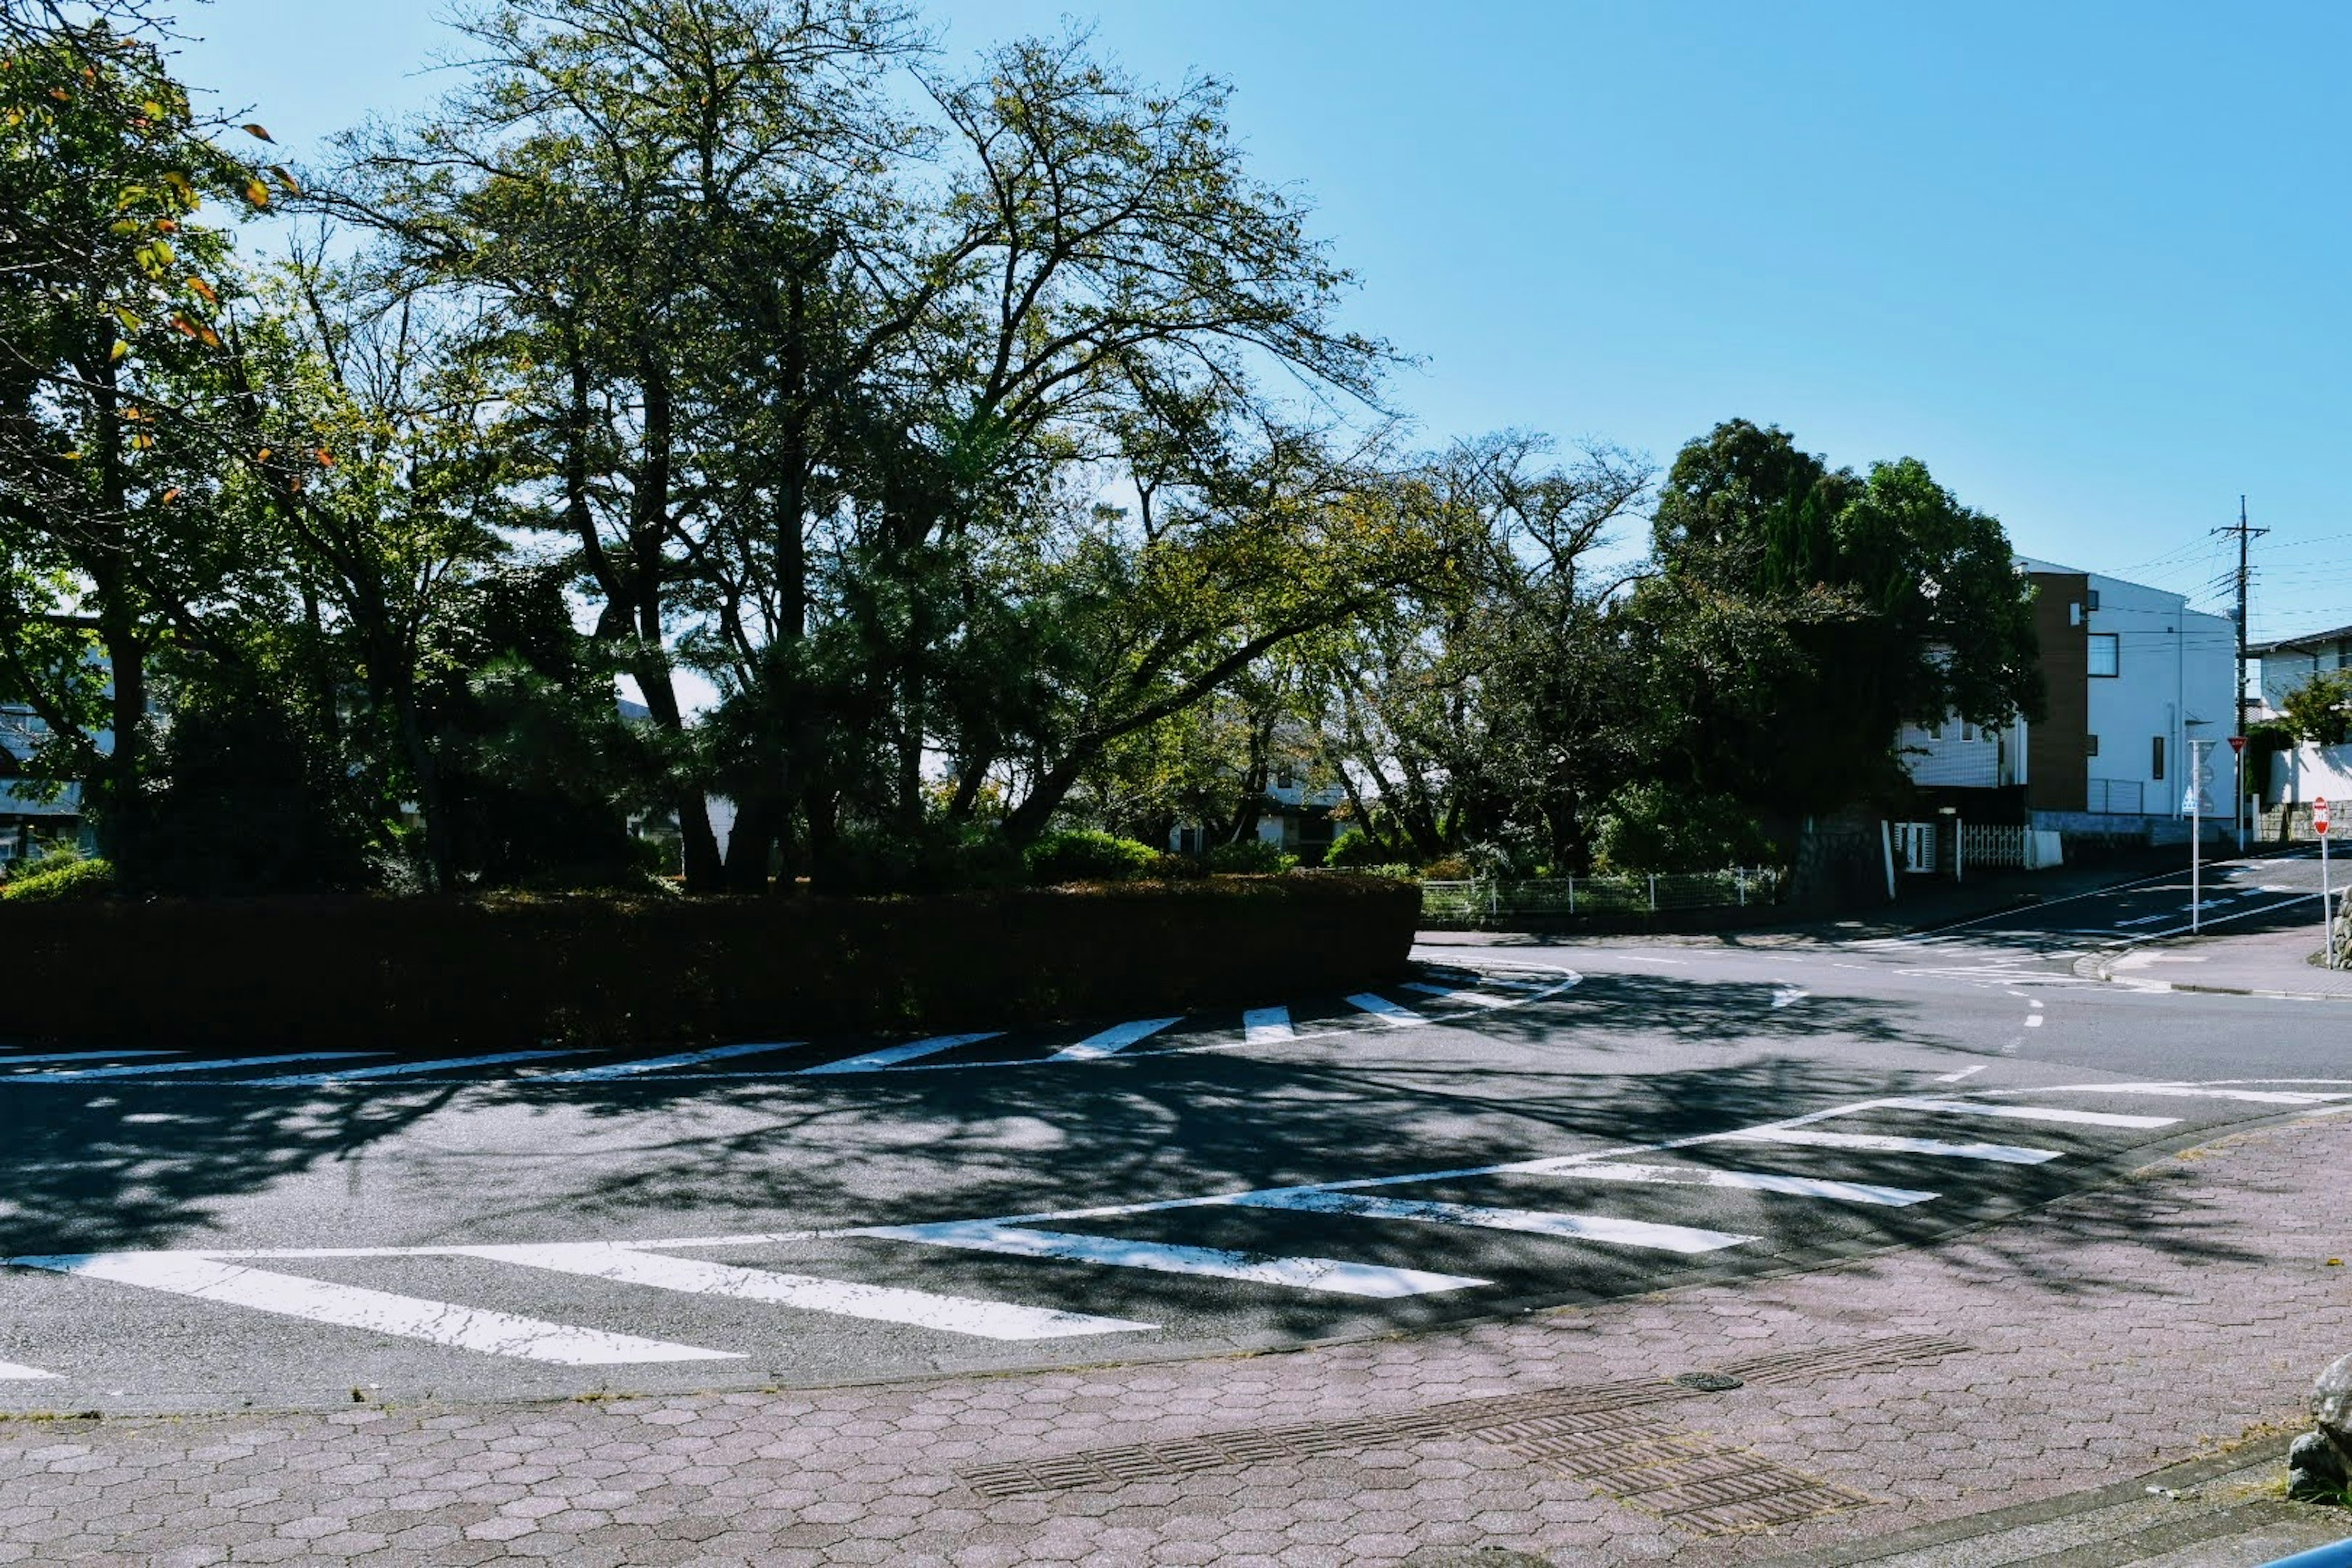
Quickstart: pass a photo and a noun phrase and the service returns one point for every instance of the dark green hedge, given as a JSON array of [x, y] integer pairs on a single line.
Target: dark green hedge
[[420, 976]]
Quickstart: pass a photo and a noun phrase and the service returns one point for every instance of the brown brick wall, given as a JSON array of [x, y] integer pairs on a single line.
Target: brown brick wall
[[2057, 749]]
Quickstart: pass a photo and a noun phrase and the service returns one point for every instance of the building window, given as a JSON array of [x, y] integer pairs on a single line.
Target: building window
[[2156, 761], [2091, 598], [2107, 654], [2092, 750]]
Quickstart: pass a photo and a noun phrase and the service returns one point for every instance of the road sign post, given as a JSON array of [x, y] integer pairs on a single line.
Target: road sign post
[[2194, 803], [2238, 791], [2327, 895]]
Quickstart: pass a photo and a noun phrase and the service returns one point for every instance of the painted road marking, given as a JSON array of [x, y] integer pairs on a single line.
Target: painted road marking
[[1113, 1040], [891, 1056], [11, 1372], [2030, 1112], [2034, 1020], [1465, 998], [2192, 1091], [655, 1064], [1534, 1222], [1325, 1274], [1578, 1167], [694, 1276], [83, 1056], [1784, 996], [1870, 1143], [379, 1312], [1963, 1073], [1386, 1011], [87, 1074], [1267, 1026], [404, 1069]]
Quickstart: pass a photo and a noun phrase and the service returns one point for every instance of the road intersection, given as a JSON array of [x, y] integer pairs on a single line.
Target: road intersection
[[1512, 1127]]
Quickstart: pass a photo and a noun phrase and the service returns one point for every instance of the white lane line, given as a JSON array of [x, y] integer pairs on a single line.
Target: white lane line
[[404, 1069], [1462, 998], [1784, 996], [891, 1056], [1267, 1026], [2195, 1091], [1113, 1040], [2030, 1112], [12, 1372], [657, 1064], [1534, 1222], [696, 1276], [1386, 1011], [1259, 1269], [83, 1056], [86, 1075], [1872, 1143], [379, 1312], [1963, 1073], [2143, 920], [1578, 1168], [2034, 1020]]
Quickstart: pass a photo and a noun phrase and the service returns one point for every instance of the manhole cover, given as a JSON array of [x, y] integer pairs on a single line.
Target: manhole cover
[[1708, 1382]]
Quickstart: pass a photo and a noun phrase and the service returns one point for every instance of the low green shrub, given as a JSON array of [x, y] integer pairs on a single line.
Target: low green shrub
[[1447, 868], [428, 975], [870, 862], [1250, 857], [1652, 827], [1085, 855], [59, 876]]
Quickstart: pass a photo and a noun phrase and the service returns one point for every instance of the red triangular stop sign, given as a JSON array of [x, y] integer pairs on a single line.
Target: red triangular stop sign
[[2237, 743]]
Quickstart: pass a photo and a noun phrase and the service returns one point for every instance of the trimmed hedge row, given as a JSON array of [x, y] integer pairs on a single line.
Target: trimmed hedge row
[[419, 976]]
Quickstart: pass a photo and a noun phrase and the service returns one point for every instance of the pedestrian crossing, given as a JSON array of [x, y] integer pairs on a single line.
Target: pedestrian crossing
[[1450, 994], [1364, 1231]]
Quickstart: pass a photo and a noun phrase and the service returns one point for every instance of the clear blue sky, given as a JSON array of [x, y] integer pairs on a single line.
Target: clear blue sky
[[2087, 261]]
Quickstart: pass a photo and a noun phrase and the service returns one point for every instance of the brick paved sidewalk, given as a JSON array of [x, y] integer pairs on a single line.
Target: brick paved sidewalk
[[2079, 1347]]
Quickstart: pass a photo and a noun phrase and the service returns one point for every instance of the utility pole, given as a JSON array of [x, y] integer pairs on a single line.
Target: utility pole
[[2245, 536]]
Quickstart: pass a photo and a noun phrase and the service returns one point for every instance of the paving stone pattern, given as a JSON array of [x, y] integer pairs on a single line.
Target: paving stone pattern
[[2108, 1334]]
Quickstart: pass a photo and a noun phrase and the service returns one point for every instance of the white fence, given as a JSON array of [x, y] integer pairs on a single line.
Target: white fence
[[1665, 891]]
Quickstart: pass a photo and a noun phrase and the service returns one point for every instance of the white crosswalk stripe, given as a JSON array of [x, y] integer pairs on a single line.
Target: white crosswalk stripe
[[1386, 1011], [951, 1314], [2030, 1112], [2200, 1092], [1267, 1025], [12, 1372], [1578, 1167], [1325, 1274], [14, 1061], [663, 1064], [891, 1056], [1872, 1143], [1534, 1222], [405, 1069], [1456, 998], [379, 1312], [1113, 1040], [145, 1069]]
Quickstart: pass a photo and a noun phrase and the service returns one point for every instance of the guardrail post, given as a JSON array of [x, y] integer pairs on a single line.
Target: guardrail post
[[1740, 877], [1654, 893], [1571, 895]]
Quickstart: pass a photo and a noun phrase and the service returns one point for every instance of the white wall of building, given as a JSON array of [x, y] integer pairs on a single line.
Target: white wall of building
[[2174, 684], [1957, 755], [2310, 772]]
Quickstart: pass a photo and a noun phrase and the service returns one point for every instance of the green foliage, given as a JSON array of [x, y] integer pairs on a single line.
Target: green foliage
[[938, 859], [1801, 614], [1650, 826], [59, 877], [2320, 712], [1084, 855], [1354, 847], [1250, 857]]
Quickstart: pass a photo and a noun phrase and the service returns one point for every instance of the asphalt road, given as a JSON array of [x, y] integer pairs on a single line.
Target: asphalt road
[[1523, 1125]]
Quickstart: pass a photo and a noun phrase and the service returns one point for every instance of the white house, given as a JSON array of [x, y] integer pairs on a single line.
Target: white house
[[2309, 771], [2131, 677]]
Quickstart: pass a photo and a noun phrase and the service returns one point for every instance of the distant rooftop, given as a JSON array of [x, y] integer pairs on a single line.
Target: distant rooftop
[[2307, 639]]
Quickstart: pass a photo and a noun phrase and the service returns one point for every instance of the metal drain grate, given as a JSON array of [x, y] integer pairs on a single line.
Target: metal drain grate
[[1679, 1475], [1561, 1415]]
